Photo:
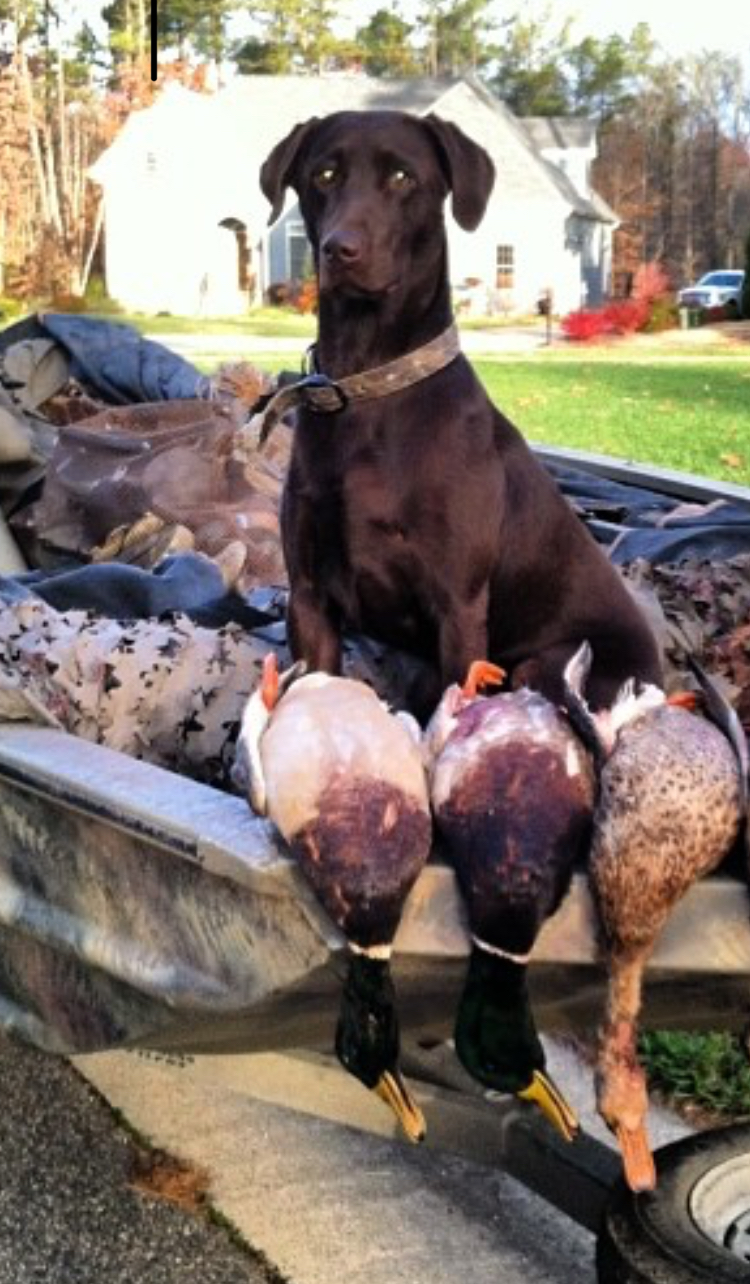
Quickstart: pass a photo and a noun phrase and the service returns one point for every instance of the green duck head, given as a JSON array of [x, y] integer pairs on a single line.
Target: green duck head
[[497, 1041], [367, 1039]]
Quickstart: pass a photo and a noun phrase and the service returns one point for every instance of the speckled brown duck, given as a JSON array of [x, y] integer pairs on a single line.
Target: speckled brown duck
[[512, 794], [342, 778], [669, 809]]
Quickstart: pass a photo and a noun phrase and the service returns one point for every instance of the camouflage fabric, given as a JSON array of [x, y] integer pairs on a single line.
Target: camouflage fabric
[[703, 607], [182, 464], [168, 691]]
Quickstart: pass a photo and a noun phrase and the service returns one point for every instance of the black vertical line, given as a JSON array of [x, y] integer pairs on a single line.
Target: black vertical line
[[154, 46]]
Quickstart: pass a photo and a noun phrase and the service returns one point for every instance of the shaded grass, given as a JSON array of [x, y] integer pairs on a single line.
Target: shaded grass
[[708, 1071]]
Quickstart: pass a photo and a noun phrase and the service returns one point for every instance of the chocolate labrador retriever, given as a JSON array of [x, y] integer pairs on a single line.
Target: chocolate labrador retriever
[[416, 512]]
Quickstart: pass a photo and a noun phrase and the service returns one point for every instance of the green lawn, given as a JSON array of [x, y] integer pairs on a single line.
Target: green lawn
[[685, 413], [657, 401], [267, 322]]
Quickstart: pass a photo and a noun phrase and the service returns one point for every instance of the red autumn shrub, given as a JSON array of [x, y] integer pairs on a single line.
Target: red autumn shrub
[[650, 283], [621, 316], [649, 308], [584, 326], [625, 316], [307, 297]]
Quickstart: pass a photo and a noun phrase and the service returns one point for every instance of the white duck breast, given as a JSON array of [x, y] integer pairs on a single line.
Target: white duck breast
[[343, 780], [330, 730], [346, 786]]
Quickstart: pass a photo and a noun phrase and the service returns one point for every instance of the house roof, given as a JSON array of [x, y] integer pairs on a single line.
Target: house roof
[[290, 99], [253, 113], [590, 207], [559, 132]]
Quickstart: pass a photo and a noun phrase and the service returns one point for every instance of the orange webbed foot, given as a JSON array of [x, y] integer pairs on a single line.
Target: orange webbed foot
[[683, 700], [269, 683], [482, 674]]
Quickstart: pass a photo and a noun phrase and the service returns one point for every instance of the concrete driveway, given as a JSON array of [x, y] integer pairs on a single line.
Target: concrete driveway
[[315, 1199], [507, 339]]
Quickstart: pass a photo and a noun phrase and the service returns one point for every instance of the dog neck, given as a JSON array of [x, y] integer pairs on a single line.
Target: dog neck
[[358, 333]]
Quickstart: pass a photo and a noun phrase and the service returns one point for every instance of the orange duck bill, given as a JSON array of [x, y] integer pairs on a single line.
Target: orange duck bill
[[273, 684], [638, 1161]]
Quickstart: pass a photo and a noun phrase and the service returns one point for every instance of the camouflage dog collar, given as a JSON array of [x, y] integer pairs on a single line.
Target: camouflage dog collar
[[327, 396]]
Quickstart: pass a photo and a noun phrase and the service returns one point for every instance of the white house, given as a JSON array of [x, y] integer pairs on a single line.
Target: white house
[[186, 224]]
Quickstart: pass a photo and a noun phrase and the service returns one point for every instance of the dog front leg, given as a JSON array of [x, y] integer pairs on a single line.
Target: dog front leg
[[464, 638], [312, 633]]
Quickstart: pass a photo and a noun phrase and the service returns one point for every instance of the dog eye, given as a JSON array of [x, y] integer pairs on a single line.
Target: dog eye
[[326, 177], [400, 179]]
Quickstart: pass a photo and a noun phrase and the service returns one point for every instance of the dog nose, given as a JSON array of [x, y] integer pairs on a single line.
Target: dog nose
[[344, 247]]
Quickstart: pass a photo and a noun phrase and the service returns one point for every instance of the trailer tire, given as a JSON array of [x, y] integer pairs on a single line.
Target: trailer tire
[[694, 1228]]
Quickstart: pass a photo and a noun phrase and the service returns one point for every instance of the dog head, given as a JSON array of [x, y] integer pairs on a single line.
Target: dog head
[[371, 188]]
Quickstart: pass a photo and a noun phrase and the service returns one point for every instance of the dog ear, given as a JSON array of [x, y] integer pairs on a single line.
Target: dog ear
[[468, 168], [276, 171]]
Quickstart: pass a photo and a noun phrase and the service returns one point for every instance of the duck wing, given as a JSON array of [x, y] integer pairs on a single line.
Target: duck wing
[[725, 718]]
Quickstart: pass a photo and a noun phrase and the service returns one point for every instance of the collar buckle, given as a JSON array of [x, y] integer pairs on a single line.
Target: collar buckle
[[322, 395]]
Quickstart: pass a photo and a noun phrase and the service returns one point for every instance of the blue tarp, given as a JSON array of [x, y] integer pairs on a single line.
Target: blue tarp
[[119, 364], [636, 522], [185, 582]]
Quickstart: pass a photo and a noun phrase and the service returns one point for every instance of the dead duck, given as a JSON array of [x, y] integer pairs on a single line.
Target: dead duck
[[342, 778], [512, 793], [669, 809]]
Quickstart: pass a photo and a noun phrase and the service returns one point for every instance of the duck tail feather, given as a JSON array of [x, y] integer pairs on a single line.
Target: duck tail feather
[[575, 677]]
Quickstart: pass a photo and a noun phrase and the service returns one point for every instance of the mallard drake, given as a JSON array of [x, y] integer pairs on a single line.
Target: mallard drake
[[669, 809], [512, 794], [343, 780]]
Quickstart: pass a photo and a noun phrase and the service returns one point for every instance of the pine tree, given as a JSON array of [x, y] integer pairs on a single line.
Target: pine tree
[[385, 45], [293, 36], [195, 28], [529, 73], [49, 134], [456, 36]]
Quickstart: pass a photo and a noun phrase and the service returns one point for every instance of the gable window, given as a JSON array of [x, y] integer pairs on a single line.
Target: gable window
[[505, 267]]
